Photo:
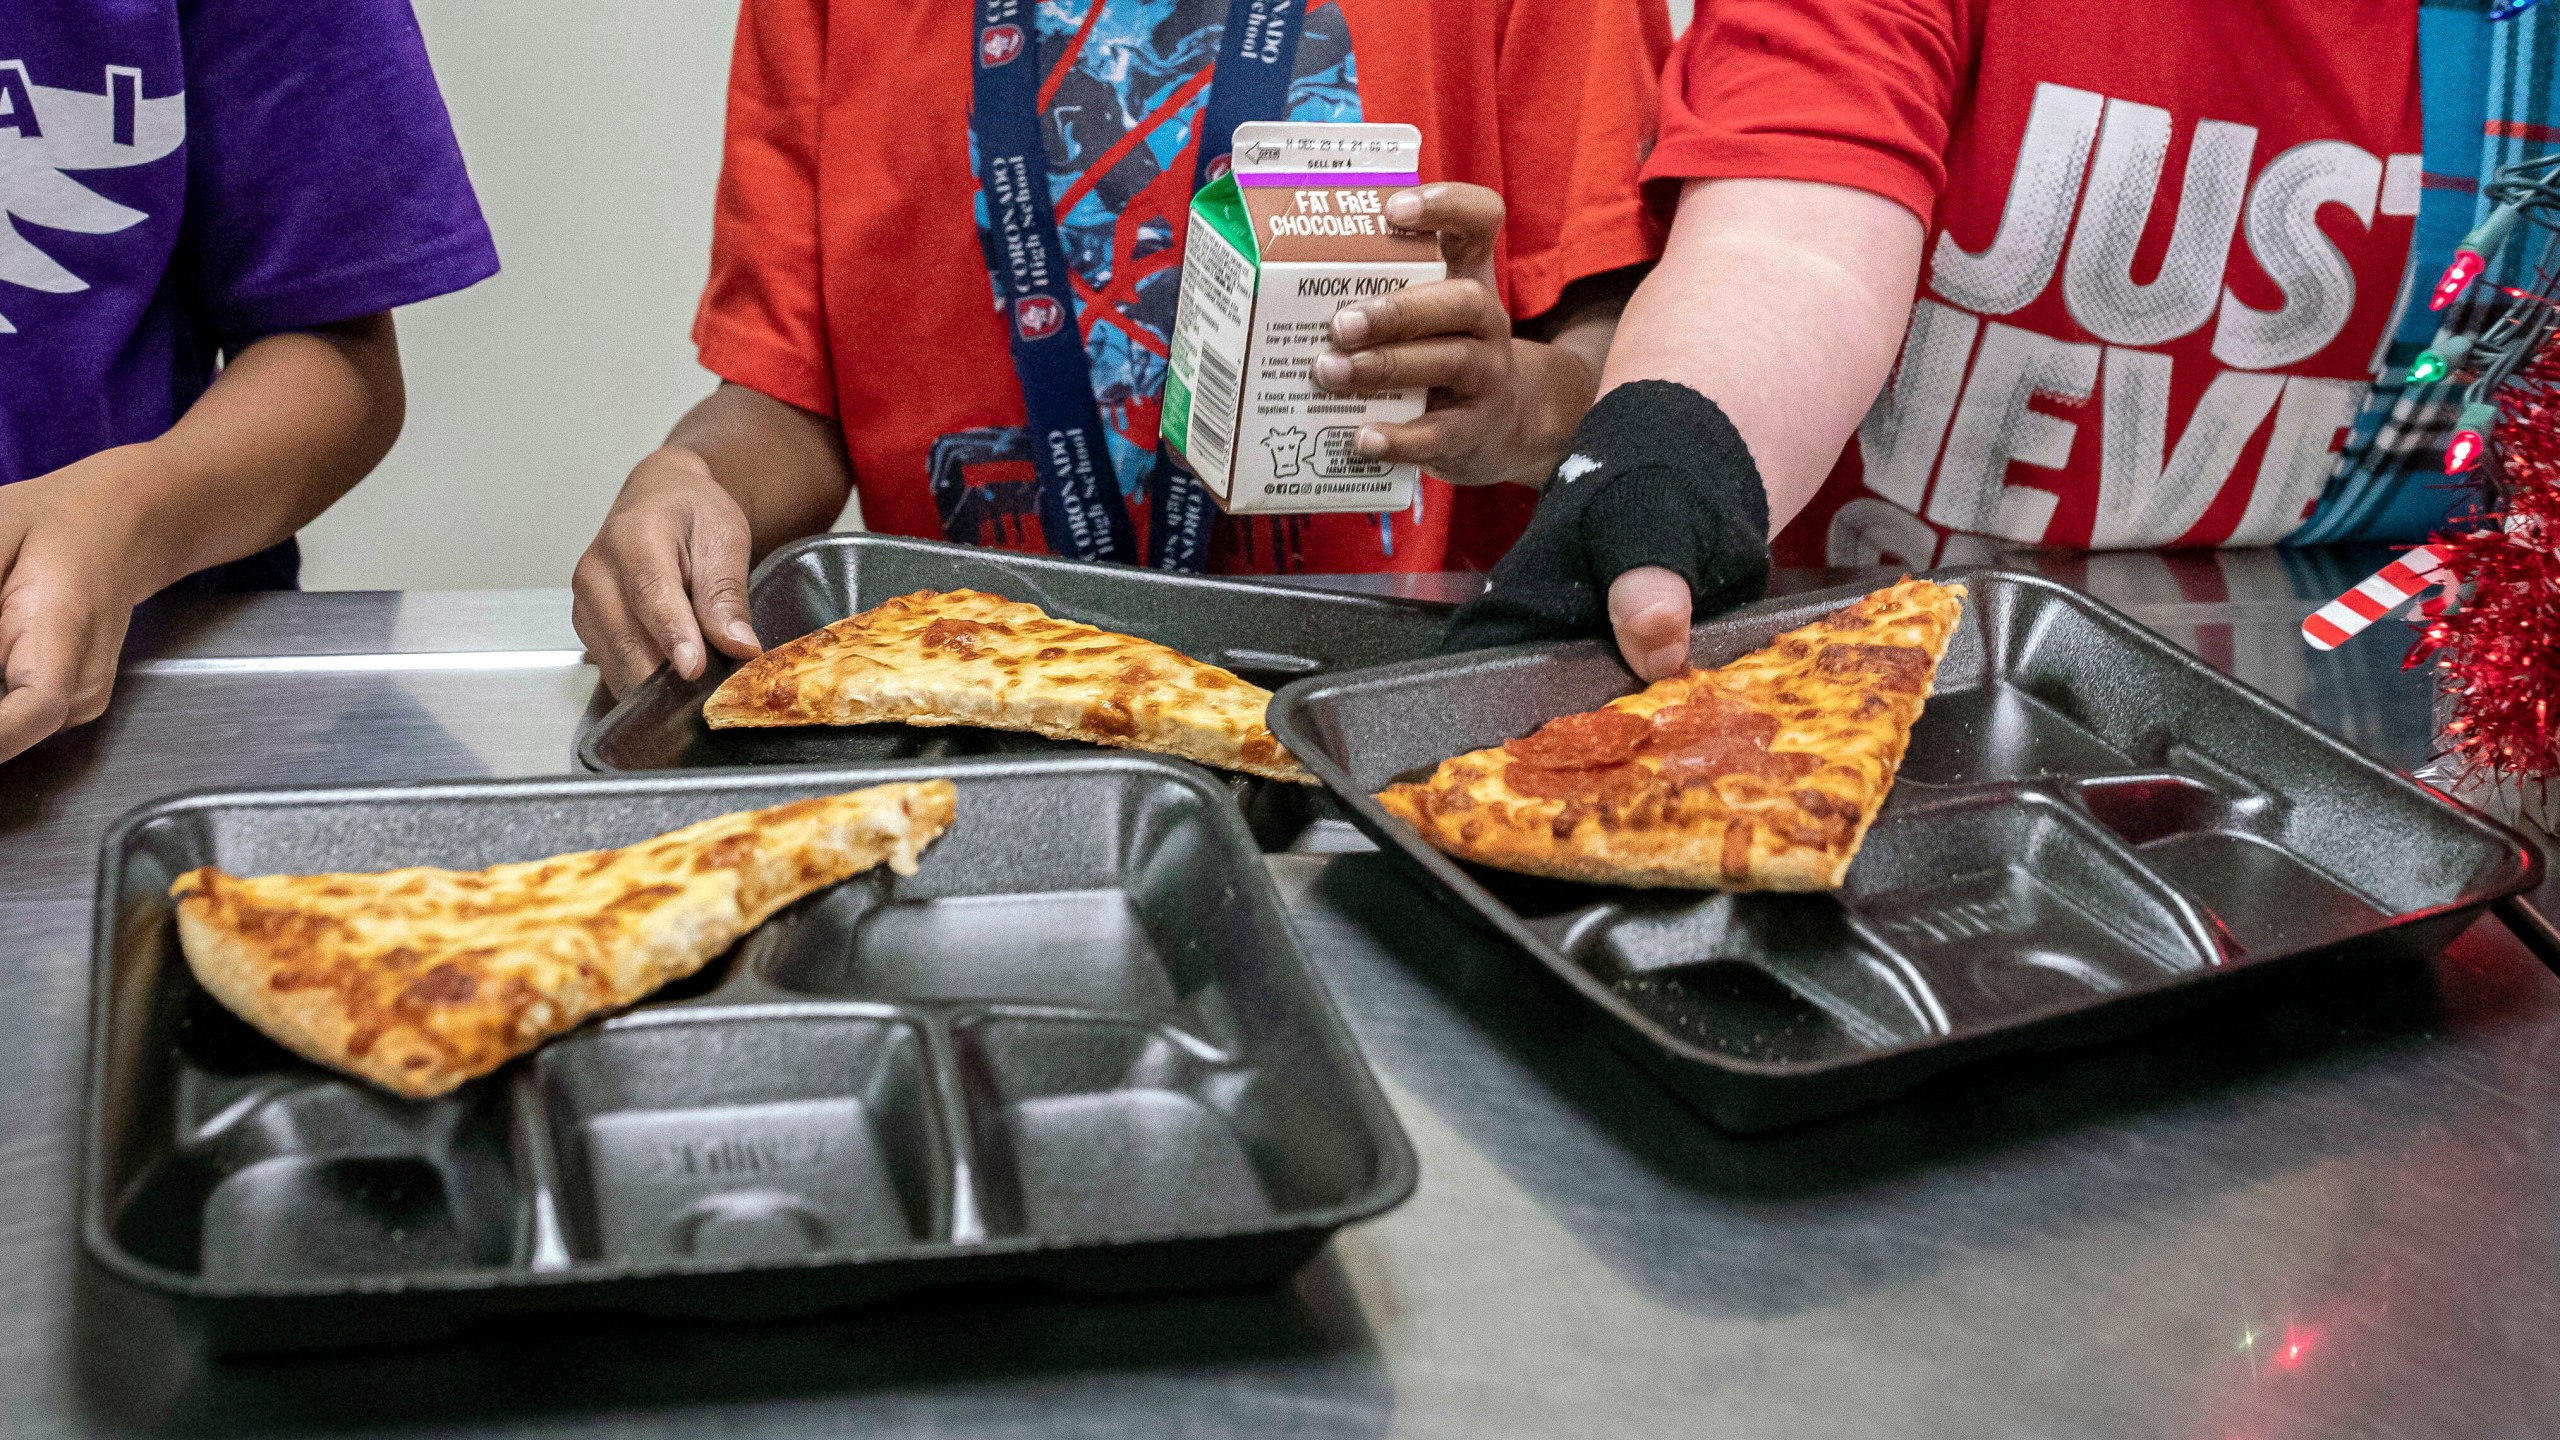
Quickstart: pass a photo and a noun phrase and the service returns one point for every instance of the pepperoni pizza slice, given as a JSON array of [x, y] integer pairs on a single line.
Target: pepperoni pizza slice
[[964, 657], [1761, 775]]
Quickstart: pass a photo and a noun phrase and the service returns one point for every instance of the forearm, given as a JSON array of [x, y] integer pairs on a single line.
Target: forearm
[[291, 423], [1785, 303], [785, 466], [1561, 356]]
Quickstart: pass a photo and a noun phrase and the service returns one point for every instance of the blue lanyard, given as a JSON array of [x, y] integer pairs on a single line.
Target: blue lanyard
[[1081, 512]]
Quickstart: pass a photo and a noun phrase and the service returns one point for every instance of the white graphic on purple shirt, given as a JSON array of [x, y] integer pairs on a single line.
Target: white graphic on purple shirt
[[46, 135]]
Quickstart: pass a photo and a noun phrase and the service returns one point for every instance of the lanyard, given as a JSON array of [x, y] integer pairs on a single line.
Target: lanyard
[[1081, 511]]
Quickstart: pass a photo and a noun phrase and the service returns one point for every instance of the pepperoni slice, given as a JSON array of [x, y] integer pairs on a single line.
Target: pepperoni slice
[[1540, 782], [1709, 721], [1592, 741], [1703, 766]]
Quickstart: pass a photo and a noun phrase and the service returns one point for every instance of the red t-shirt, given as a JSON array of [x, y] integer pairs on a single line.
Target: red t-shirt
[[848, 277], [2167, 240]]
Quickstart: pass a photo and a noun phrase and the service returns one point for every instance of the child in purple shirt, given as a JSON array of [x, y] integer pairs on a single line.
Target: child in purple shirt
[[208, 209]]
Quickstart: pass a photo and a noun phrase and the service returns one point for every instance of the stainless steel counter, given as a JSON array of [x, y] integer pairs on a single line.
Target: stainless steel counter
[[2332, 1215]]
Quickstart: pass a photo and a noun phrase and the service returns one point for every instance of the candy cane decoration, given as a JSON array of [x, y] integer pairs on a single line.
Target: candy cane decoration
[[2382, 592]]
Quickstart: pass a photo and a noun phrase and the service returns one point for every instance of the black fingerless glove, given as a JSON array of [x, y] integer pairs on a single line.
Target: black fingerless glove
[[1657, 476]]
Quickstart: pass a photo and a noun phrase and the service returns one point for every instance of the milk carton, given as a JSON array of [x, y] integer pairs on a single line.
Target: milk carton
[[1297, 231]]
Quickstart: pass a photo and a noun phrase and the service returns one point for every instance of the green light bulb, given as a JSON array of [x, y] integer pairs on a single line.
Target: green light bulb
[[2428, 368]]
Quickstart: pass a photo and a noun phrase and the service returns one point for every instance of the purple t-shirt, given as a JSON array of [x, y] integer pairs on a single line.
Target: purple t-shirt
[[181, 177]]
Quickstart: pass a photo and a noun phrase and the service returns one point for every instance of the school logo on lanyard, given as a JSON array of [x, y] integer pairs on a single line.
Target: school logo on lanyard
[[1037, 317], [1000, 45]]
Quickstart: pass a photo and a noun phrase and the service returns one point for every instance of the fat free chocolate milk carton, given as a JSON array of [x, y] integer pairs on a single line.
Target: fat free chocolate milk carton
[[1295, 232]]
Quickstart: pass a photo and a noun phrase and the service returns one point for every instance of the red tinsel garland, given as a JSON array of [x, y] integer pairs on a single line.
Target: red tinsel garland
[[2499, 649]]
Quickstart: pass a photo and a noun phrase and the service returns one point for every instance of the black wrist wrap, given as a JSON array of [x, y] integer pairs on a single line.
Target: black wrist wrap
[[1657, 476]]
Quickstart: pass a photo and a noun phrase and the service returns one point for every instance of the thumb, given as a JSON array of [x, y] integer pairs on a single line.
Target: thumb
[[1649, 613]]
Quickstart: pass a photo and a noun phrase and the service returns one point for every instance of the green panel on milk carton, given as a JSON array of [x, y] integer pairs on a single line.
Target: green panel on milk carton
[[1296, 232]]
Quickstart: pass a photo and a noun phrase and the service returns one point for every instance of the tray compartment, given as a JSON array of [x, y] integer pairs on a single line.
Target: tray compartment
[[732, 1147], [1757, 977], [2090, 825], [2145, 808], [2010, 905], [744, 1138], [289, 1177], [1270, 634], [1117, 909], [2000, 732], [1088, 949], [2259, 897], [1087, 1128]]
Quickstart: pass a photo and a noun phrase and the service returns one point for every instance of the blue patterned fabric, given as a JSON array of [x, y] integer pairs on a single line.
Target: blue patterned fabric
[[2491, 97]]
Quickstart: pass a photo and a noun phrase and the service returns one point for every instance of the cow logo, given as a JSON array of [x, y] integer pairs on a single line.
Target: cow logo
[[1000, 45], [1037, 317]]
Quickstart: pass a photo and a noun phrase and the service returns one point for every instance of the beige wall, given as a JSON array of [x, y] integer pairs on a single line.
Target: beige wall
[[592, 128]]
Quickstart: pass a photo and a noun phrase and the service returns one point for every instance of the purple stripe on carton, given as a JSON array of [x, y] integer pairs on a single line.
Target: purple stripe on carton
[[1269, 178]]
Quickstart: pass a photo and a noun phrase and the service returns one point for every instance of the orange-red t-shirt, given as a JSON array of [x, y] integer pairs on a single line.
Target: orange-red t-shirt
[[2166, 239], [848, 275]]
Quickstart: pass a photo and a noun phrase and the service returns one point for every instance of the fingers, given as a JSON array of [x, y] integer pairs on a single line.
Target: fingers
[[630, 607], [1435, 440], [1649, 614], [669, 567], [716, 554], [1468, 217], [1417, 312], [1465, 368], [41, 672], [620, 649]]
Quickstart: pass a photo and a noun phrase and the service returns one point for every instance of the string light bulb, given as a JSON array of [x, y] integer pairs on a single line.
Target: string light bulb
[[2473, 256], [2441, 358], [2470, 437]]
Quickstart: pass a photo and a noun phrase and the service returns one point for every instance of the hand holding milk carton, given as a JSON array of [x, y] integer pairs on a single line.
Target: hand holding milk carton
[[1295, 232]]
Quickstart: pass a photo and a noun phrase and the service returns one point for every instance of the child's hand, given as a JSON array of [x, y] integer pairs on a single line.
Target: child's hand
[[1501, 408], [668, 569], [66, 544]]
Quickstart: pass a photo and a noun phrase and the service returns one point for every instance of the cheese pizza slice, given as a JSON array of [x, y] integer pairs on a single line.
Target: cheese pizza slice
[[420, 979], [1761, 775], [964, 657]]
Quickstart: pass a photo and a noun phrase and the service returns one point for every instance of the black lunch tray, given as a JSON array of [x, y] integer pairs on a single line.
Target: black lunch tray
[[1269, 634], [1079, 1047], [2090, 825]]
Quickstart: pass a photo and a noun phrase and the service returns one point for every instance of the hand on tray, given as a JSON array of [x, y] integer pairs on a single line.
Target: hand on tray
[[1656, 518], [1501, 408], [668, 569]]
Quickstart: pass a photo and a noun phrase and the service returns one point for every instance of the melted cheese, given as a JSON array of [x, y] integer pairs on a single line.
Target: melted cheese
[[964, 657], [420, 979]]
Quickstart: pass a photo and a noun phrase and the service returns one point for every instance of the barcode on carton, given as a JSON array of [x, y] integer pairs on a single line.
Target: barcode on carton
[[1213, 411]]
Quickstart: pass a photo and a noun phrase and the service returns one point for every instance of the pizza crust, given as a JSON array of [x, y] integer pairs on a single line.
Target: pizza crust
[[418, 980], [1836, 701], [964, 657]]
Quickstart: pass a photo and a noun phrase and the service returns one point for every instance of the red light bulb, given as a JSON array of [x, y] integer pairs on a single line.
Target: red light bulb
[[2463, 451], [2466, 267], [2470, 437]]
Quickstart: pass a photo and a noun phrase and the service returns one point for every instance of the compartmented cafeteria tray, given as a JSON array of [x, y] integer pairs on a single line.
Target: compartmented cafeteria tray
[[1269, 634], [1079, 1047], [2090, 826]]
